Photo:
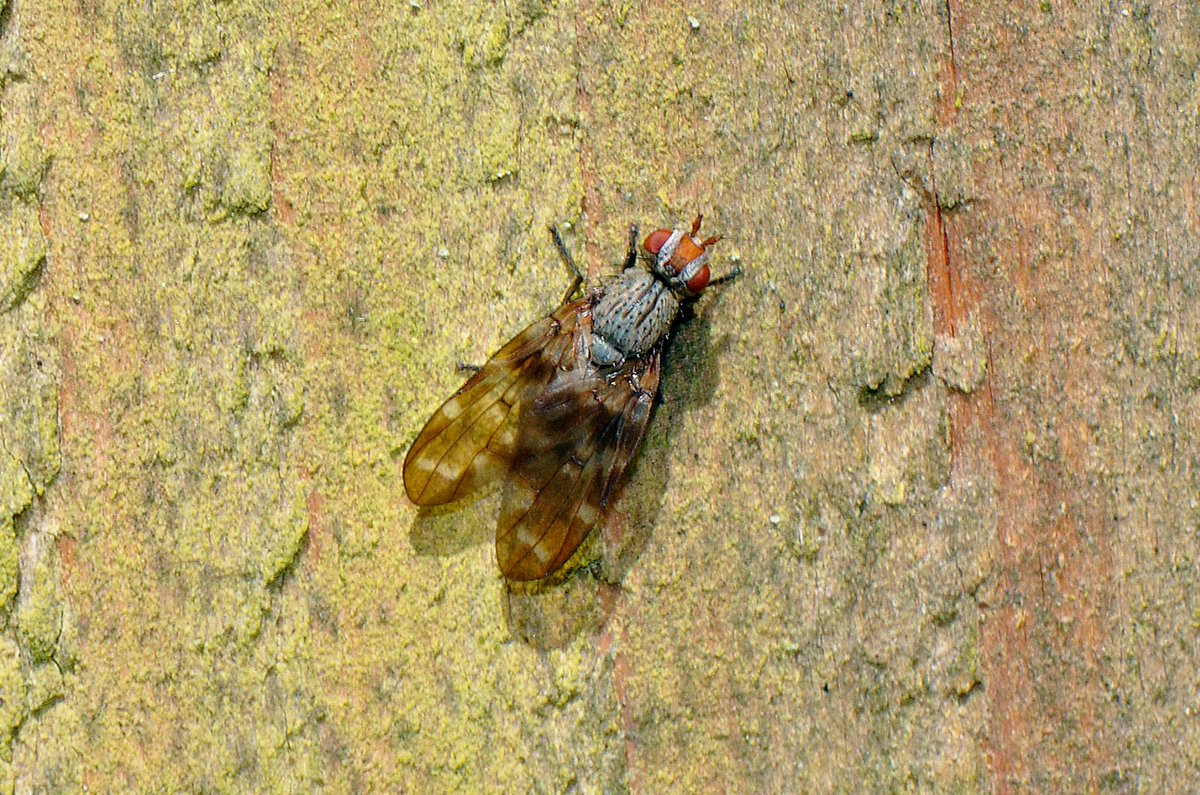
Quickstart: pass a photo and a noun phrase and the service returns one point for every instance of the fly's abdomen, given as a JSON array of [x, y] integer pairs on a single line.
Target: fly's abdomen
[[633, 315]]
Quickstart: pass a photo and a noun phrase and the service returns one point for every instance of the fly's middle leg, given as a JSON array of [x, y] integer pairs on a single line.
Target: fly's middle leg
[[576, 274]]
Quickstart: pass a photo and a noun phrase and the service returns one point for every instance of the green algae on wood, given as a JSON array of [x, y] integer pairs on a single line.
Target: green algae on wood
[[29, 426], [39, 616], [22, 256]]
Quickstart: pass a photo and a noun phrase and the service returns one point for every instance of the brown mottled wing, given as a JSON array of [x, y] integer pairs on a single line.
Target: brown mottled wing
[[574, 443], [470, 440]]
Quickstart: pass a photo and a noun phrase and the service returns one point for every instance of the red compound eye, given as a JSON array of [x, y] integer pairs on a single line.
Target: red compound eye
[[655, 241], [698, 281]]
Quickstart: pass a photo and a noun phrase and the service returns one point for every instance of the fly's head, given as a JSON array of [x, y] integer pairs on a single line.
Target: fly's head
[[680, 258]]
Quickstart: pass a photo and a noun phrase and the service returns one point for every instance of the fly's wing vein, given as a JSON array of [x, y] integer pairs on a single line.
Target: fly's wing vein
[[574, 444], [470, 439]]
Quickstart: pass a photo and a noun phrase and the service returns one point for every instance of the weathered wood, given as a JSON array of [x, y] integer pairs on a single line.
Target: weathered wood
[[918, 511]]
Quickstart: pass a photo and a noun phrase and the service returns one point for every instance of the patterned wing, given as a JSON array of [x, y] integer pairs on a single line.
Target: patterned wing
[[470, 440], [574, 443]]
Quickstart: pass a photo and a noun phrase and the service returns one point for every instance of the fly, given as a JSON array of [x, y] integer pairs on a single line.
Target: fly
[[561, 410]]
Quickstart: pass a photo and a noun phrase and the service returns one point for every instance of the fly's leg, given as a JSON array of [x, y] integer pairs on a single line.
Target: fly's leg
[[631, 252], [728, 277], [577, 275]]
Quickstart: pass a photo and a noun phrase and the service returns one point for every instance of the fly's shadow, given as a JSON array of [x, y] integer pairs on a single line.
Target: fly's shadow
[[691, 375], [549, 616], [446, 530]]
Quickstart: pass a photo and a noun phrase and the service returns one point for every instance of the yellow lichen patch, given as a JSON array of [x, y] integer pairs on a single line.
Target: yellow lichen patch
[[22, 159], [22, 256], [16, 492], [13, 690], [29, 432], [9, 573], [40, 612]]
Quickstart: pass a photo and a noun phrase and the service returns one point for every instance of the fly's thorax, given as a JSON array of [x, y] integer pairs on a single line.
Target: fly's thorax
[[635, 312]]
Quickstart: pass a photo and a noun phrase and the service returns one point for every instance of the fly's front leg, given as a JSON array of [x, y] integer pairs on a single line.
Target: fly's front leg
[[728, 277], [577, 275], [631, 251]]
